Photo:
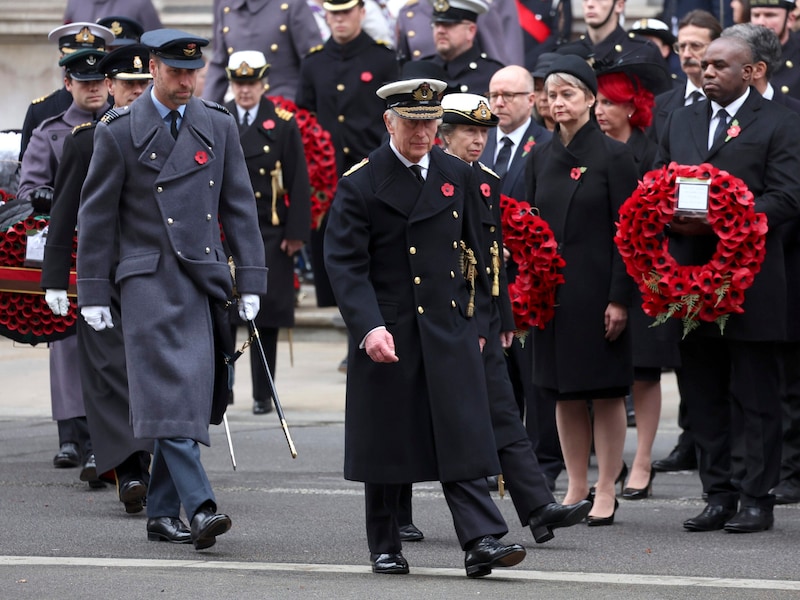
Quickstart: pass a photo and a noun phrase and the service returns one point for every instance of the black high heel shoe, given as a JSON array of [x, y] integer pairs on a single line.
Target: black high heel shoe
[[601, 521], [623, 475], [630, 493]]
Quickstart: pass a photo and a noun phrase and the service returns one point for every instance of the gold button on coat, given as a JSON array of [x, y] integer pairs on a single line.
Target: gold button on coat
[[412, 250], [170, 221], [420, 310], [417, 280]]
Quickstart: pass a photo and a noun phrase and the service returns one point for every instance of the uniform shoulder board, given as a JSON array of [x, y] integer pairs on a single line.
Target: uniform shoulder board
[[355, 168], [488, 170], [284, 114], [114, 113], [382, 43], [81, 127], [215, 105], [410, 3], [43, 98], [316, 49]]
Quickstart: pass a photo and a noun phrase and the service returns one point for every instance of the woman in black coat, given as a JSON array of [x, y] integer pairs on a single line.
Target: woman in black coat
[[624, 111], [578, 180], [273, 150]]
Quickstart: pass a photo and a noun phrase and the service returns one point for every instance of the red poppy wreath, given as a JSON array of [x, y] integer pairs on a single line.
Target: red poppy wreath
[[692, 293], [533, 248], [320, 158]]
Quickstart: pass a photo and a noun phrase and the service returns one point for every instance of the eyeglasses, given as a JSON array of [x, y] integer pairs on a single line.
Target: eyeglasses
[[694, 47], [506, 96]]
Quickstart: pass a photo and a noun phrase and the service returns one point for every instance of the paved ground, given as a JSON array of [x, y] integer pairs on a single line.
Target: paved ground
[[298, 526]]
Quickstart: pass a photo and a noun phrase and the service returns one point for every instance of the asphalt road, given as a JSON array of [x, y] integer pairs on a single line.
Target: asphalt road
[[298, 528]]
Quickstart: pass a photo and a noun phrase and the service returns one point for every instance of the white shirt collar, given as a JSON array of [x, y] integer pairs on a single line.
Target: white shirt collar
[[424, 162], [690, 89], [732, 108]]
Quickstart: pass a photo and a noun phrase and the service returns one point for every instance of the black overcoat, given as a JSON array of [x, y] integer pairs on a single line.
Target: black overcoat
[[578, 190], [392, 251]]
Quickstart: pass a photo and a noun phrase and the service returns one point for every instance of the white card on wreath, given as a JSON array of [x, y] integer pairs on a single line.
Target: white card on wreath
[[692, 196]]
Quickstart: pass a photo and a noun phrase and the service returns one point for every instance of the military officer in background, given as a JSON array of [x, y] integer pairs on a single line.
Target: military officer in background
[[142, 11], [499, 33], [468, 69], [778, 15], [165, 175], [70, 38], [273, 151], [126, 31], [283, 30], [37, 176], [104, 379]]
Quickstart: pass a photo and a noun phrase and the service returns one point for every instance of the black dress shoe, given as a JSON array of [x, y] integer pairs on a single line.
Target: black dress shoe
[[168, 529], [89, 473], [552, 516], [787, 492], [67, 456], [410, 533], [488, 553], [630, 493], [132, 494], [206, 526], [712, 518], [261, 407], [680, 459], [603, 521], [751, 519], [389, 564]]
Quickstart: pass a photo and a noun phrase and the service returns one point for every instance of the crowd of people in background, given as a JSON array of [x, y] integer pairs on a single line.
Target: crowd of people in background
[[429, 104]]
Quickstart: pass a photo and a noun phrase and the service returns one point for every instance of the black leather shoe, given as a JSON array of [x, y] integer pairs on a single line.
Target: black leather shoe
[[410, 533], [488, 553], [389, 564], [206, 526], [712, 518], [554, 515], [680, 459], [261, 407], [751, 519], [67, 456], [630, 493], [89, 473], [787, 492], [132, 494], [168, 529]]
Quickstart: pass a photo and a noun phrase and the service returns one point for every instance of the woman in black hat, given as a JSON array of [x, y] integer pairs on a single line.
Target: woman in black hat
[[624, 111], [579, 180]]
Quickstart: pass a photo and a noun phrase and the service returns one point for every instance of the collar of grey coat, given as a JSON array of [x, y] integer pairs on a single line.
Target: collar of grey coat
[[146, 123]]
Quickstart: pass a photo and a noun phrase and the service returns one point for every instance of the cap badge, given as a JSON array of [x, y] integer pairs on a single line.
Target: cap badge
[[441, 6], [84, 35], [190, 50], [423, 92], [137, 62], [91, 60], [244, 70], [116, 28], [482, 113]]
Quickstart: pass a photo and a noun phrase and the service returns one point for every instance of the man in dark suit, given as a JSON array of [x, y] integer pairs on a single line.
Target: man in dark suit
[[695, 32], [779, 16], [278, 172], [104, 379], [165, 174], [403, 222], [742, 366]]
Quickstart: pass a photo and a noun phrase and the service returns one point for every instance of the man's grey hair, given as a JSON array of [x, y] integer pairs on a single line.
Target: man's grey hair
[[764, 43]]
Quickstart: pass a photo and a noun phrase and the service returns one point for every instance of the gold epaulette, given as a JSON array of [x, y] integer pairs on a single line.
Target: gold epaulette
[[488, 170], [382, 43], [410, 3], [316, 49], [284, 114], [42, 99], [77, 128], [355, 168]]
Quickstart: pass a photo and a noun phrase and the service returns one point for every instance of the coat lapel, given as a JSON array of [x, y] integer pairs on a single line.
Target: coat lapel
[[194, 148], [433, 200], [744, 118], [396, 188]]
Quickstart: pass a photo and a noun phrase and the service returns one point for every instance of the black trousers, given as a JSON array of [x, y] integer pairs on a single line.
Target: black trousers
[[790, 400], [717, 372], [474, 513]]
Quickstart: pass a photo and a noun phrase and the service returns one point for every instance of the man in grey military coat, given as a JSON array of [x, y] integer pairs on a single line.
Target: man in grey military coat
[[165, 173]]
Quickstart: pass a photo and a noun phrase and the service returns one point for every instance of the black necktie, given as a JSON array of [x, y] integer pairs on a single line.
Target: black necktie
[[174, 115], [417, 171], [501, 164], [695, 96], [246, 119], [722, 126]]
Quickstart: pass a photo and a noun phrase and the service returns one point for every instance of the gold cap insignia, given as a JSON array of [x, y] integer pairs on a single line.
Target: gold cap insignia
[[190, 50], [441, 6], [482, 113], [116, 28], [84, 35], [137, 63], [244, 70], [423, 92]]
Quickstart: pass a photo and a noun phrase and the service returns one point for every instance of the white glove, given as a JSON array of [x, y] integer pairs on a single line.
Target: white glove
[[248, 306], [57, 301], [97, 317]]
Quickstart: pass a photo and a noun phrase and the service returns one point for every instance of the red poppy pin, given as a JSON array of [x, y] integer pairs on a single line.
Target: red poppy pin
[[201, 157], [268, 124], [576, 172], [526, 149], [366, 76], [733, 131], [486, 190], [447, 189]]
